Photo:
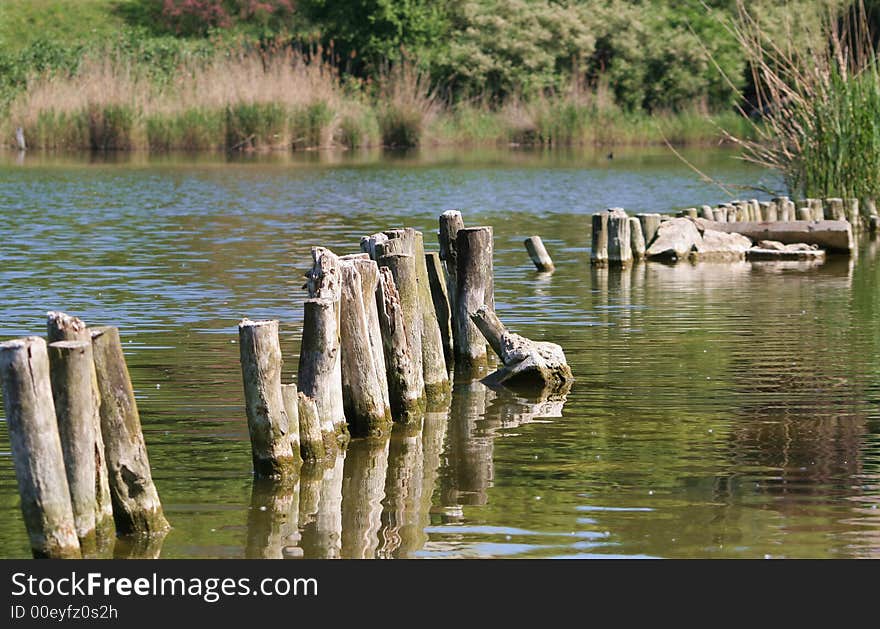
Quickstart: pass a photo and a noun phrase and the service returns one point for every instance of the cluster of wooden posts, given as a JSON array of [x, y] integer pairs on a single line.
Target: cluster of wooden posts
[[860, 214], [382, 330], [824, 225], [80, 459]]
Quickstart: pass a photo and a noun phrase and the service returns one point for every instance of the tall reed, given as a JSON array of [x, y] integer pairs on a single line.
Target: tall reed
[[819, 97]]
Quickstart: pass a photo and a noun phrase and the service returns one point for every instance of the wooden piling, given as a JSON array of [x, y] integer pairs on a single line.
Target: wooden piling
[[36, 449], [651, 223], [851, 211], [834, 209], [362, 390], [476, 287], [268, 422], [538, 253], [705, 212], [637, 240], [817, 212], [403, 271], [311, 441], [71, 368], [804, 214], [450, 223], [369, 275], [324, 283], [599, 237], [619, 239], [435, 373], [720, 214], [442, 307], [405, 385], [291, 407], [136, 505], [64, 327]]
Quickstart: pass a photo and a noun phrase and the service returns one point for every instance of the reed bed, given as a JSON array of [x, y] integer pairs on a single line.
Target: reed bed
[[248, 101], [819, 96]]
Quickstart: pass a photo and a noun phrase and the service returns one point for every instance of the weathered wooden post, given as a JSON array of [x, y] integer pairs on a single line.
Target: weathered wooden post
[[619, 239], [434, 370], [637, 240], [71, 369], [705, 212], [291, 407], [442, 307], [834, 209], [320, 369], [851, 210], [599, 238], [36, 449], [755, 206], [720, 214], [403, 271], [450, 222], [538, 253], [804, 214], [611, 238], [311, 440], [268, 422], [651, 223], [476, 287], [362, 390], [405, 384], [63, 327], [369, 276], [136, 505], [817, 212]]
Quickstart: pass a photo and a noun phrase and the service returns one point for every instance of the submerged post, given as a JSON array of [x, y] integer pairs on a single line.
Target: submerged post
[[476, 287], [538, 253], [405, 386], [136, 505], [36, 449], [71, 369], [403, 272]]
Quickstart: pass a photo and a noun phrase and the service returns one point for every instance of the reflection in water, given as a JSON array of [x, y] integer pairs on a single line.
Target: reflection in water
[[139, 547], [402, 526], [375, 500], [322, 536], [273, 520], [363, 487], [701, 392]]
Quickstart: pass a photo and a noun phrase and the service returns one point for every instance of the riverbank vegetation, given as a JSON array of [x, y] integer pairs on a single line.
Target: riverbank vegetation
[[273, 74], [821, 104]]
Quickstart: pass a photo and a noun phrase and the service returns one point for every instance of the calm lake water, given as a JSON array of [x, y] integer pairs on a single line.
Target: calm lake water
[[720, 410]]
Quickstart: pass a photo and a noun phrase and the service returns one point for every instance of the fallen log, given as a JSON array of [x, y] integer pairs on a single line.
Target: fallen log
[[535, 365], [833, 236]]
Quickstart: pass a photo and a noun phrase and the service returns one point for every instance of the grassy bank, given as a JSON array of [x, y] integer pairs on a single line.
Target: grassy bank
[[251, 101]]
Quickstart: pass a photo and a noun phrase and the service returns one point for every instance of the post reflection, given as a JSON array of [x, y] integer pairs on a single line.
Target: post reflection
[[363, 488], [273, 520], [377, 498]]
